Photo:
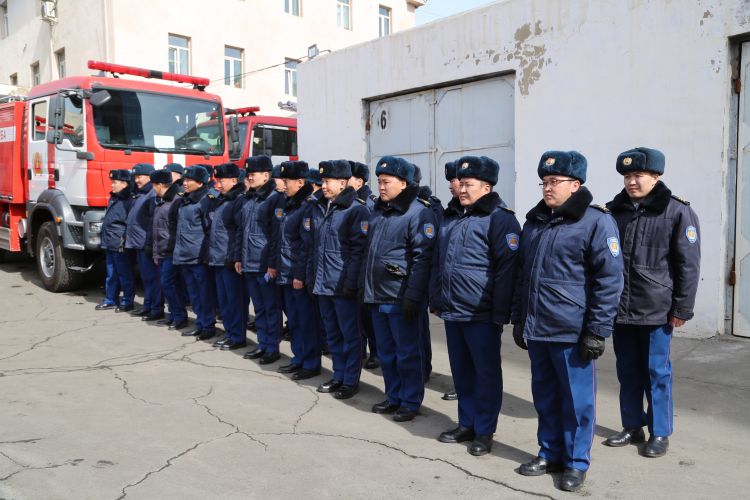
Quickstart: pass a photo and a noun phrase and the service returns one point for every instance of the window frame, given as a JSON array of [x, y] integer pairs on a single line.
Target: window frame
[[32, 120], [230, 79], [60, 57], [176, 65], [385, 19], [290, 77], [36, 74], [289, 7], [342, 21]]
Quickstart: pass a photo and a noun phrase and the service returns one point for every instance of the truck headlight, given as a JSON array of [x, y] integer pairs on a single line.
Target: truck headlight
[[95, 227]]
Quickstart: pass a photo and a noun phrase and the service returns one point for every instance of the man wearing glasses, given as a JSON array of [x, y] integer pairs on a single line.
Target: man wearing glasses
[[565, 302]]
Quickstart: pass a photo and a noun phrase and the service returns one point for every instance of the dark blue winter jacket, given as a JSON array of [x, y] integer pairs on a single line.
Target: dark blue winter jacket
[[365, 196], [164, 225], [140, 218], [258, 215], [193, 224], [294, 246], [114, 224], [570, 276], [224, 234]]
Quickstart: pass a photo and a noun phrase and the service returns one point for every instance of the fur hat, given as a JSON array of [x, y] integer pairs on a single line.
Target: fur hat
[[395, 166], [198, 173], [227, 171], [450, 170], [334, 169], [478, 167], [360, 170], [142, 169], [313, 177], [121, 175], [294, 170], [260, 163], [417, 175], [163, 176], [568, 163], [207, 167], [641, 160], [175, 167], [276, 172]]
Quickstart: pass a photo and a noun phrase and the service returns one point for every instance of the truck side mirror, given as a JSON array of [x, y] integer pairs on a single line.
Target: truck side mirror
[[234, 138], [100, 98], [56, 120]]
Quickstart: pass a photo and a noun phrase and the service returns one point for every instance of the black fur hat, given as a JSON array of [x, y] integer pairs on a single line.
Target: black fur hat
[[569, 163], [227, 171], [478, 167], [198, 173], [121, 175], [360, 170], [395, 166], [161, 176], [294, 170], [334, 169], [641, 160], [260, 163]]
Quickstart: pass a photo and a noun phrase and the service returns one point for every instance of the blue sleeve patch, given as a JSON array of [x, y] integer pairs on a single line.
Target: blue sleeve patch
[[513, 241], [364, 226], [429, 230], [691, 233], [306, 223], [279, 213], [614, 246]]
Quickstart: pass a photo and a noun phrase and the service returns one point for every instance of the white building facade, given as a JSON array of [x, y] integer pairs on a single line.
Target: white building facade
[[249, 49], [519, 77]]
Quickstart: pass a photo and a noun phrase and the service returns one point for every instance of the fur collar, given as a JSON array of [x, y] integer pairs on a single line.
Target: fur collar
[[262, 192], [145, 189], [364, 192], [171, 193], [343, 200], [424, 193], [125, 194], [454, 207], [486, 204], [656, 201], [572, 209], [299, 197], [400, 202], [196, 195], [234, 193]]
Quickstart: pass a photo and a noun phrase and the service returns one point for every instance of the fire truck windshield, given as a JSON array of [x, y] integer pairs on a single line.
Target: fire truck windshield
[[157, 122]]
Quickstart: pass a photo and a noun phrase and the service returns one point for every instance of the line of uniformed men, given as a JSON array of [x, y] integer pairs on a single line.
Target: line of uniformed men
[[347, 266]]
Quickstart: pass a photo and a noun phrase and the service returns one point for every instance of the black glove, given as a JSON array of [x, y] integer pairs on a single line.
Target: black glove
[[309, 287], [518, 336], [591, 346], [410, 310], [149, 251], [349, 293]]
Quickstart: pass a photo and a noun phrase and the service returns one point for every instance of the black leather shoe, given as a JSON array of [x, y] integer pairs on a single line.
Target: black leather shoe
[[330, 386], [139, 312], [254, 354], [268, 358], [104, 306], [372, 363], [207, 334], [124, 309], [457, 435], [165, 322], [481, 445], [656, 447], [450, 396], [251, 325], [625, 437], [572, 479], [179, 325], [290, 368], [384, 407], [346, 391], [221, 342], [404, 415], [152, 317], [539, 467], [231, 346], [304, 374], [194, 333]]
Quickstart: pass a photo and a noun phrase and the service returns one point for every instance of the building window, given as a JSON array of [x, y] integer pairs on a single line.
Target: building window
[[179, 54], [384, 20], [344, 14], [290, 77], [4, 13], [60, 59], [291, 7], [14, 79], [35, 77], [233, 66]]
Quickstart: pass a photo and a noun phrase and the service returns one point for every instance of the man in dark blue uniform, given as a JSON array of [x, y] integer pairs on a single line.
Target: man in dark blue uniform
[[454, 206], [313, 178], [191, 246], [396, 272], [661, 250], [564, 306], [138, 239], [257, 256], [473, 289], [339, 224], [114, 225]]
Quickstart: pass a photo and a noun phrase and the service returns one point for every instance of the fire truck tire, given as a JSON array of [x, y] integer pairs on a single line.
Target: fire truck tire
[[53, 261]]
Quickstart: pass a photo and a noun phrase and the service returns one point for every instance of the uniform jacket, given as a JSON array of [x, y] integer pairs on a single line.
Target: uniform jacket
[[259, 215], [661, 253], [432, 202], [114, 224], [364, 194], [398, 257], [294, 245], [339, 238], [225, 233], [140, 217], [570, 271], [473, 273], [193, 224], [164, 225]]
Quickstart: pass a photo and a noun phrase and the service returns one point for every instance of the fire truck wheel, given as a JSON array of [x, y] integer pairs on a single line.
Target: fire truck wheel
[[53, 261]]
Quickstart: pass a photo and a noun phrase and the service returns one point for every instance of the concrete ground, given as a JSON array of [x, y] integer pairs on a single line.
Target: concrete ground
[[99, 405]]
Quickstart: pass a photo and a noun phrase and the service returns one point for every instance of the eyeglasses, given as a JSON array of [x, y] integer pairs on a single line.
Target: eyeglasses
[[553, 182]]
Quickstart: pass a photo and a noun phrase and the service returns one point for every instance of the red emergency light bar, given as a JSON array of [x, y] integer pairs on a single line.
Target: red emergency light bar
[[197, 82], [242, 111]]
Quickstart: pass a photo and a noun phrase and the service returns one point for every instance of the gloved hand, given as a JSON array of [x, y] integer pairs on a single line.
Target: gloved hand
[[518, 336], [410, 310], [591, 346], [149, 251], [349, 293]]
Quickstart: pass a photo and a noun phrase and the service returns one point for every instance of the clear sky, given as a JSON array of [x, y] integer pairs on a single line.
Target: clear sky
[[435, 9]]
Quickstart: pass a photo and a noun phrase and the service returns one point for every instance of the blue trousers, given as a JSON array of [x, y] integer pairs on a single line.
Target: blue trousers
[[400, 355], [230, 300], [305, 341], [169, 278], [564, 390], [474, 355], [368, 332], [119, 277], [266, 299], [317, 322], [644, 368], [344, 339], [153, 301], [196, 281]]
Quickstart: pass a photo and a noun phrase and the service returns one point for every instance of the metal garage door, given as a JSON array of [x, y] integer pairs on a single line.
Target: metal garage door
[[741, 312], [432, 127]]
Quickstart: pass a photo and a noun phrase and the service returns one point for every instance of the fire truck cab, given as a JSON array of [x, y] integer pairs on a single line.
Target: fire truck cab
[[274, 136]]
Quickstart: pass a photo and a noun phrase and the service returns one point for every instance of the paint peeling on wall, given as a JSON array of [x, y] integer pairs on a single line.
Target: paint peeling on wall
[[530, 56]]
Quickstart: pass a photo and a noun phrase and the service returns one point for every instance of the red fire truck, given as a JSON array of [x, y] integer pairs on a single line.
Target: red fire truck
[[58, 145], [274, 136]]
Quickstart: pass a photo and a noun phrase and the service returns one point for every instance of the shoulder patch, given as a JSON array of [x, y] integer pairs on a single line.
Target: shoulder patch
[[601, 208], [513, 240], [279, 212], [681, 200], [691, 233], [614, 246], [429, 230], [306, 224], [423, 202], [364, 226]]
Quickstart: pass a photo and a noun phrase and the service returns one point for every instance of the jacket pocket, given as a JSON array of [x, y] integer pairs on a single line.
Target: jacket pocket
[[334, 271], [470, 290], [650, 292], [561, 306]]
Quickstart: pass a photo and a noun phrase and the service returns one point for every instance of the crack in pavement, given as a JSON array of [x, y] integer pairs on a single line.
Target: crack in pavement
[[126, 388], [25, 467], [37, 344], [236, 428], [311, 408], [22, 441]]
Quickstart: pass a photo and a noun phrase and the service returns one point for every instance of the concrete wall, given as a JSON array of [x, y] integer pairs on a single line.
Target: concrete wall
[[596, 76]]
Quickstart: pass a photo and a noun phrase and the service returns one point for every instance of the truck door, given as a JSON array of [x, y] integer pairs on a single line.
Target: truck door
[[38, 148], [69, 171]]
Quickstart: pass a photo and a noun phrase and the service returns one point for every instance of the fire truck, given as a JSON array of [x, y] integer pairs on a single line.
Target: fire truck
[[58, 145], [274, 136]]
